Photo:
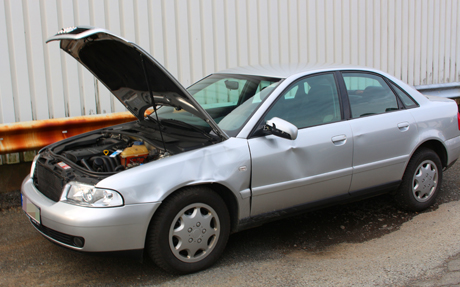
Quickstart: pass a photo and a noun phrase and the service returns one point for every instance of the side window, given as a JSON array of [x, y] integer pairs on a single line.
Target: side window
[[309, 102], [369, 94], [407, 100]]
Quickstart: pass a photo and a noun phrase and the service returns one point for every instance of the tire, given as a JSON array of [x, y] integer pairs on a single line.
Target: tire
[[421, 181], [189, 231]]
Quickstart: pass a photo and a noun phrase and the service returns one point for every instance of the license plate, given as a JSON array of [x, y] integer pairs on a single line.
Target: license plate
[[31, 209]]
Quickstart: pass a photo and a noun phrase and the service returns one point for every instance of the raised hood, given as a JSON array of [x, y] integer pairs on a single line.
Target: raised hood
[[129, 72]]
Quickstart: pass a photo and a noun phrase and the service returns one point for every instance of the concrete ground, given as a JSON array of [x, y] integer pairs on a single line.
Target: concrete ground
[[449, 275]]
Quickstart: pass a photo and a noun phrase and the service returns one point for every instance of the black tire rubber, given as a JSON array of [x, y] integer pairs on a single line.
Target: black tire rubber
[[157, 241], [404, 195]]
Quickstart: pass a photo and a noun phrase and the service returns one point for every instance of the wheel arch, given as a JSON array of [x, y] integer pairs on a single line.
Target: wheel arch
[[224, 192], [175, 204], [230, 200], [436, 146]]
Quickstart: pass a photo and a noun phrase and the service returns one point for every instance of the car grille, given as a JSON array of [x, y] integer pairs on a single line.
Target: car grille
[[56, 235], [47, 182]]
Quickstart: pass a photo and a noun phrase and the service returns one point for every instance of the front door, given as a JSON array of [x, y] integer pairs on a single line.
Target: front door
[[315, 166]]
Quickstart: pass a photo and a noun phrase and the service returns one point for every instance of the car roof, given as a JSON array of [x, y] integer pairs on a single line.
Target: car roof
[[287, 70]]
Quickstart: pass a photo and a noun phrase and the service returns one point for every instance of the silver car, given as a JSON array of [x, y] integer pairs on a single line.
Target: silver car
[[235, 150]]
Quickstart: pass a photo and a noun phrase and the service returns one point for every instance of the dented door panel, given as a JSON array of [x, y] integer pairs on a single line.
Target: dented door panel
[[315, 166]]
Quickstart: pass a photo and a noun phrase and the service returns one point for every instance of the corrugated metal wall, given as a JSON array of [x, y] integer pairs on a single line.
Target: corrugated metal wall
[[415, 40]]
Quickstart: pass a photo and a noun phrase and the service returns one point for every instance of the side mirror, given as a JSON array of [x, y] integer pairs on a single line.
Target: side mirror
[[281, 128]]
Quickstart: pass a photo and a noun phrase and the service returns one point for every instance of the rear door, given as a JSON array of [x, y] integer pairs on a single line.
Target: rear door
[[383, 131]]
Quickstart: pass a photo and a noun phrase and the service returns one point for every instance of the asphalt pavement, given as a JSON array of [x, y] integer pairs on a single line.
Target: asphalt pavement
[[368, 243]]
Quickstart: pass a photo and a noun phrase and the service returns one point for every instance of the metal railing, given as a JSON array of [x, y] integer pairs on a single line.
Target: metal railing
[[32, 136], [449, 90]]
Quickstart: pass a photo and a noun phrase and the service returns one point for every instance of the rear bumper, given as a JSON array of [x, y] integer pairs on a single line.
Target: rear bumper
[[453, 150], [102, 229]]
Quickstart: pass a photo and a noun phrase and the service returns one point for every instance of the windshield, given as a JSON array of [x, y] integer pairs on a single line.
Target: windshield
[[229, 99]]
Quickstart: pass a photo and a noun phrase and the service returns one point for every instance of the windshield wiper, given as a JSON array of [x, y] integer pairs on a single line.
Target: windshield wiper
[[182, 124], [152, 119], [151, 122]]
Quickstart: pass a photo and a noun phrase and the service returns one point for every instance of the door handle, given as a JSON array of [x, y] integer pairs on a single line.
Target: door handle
[[339, 140], [403, 126]]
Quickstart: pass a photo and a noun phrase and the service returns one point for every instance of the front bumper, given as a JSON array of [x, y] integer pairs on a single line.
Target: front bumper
[[103, 229]]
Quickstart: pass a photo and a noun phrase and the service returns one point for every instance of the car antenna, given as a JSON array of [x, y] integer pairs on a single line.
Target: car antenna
[[152, 99]]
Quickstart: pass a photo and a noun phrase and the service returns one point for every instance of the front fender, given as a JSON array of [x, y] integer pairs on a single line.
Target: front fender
[[227, 163]]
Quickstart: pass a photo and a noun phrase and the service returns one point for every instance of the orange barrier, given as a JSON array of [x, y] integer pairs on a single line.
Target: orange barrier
[[24, 136]]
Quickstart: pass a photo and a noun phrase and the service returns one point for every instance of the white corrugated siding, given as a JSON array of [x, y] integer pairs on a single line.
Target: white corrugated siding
[[415, 40]]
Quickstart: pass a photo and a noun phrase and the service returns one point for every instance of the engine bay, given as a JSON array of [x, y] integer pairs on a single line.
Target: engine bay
[[92, 157], [108, 152]]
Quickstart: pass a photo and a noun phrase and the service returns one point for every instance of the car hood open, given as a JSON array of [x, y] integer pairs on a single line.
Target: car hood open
[[129, 72]]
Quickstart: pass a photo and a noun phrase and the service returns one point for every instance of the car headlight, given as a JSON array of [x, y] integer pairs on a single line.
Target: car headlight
[[88, 195]]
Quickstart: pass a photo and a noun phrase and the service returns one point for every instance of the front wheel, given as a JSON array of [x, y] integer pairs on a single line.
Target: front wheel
[[189, 231], [421, 181]]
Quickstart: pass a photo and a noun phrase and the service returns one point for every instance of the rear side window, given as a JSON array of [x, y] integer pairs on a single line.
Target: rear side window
[[405, 98], [369, 94]]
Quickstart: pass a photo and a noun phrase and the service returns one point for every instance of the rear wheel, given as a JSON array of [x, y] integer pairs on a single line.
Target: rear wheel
[[421, 181], [189, 231]]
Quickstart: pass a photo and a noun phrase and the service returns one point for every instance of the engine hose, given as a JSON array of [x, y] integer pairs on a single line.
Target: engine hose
[[110, 160], [107, 164], [85, 163], [116, 162]]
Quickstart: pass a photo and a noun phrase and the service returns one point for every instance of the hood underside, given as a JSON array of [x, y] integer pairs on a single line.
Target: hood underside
[[136, 79]]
